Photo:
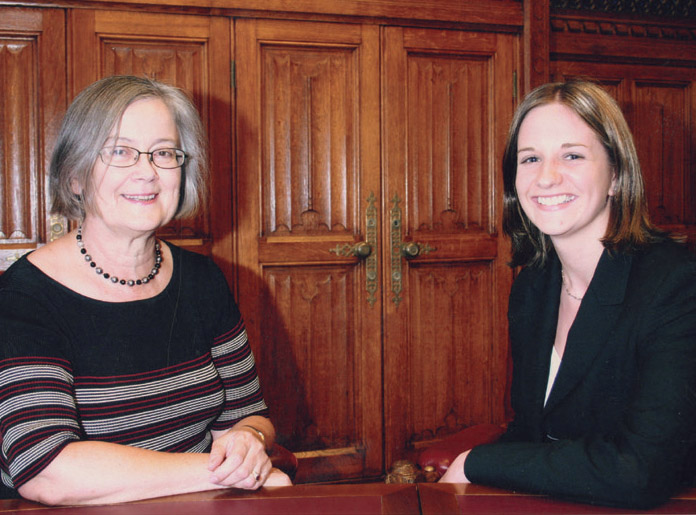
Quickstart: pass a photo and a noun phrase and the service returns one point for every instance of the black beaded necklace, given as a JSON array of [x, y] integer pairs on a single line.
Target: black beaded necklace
[[130, 282]]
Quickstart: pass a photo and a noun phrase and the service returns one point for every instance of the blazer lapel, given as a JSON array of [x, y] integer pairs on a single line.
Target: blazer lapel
[[593, 324], [539, 331]]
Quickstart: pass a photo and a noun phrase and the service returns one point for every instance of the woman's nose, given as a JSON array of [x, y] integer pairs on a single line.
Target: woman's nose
[[144, 168], [549, 174]]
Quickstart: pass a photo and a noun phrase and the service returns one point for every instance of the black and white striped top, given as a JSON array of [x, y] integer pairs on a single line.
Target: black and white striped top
[[159, 373]]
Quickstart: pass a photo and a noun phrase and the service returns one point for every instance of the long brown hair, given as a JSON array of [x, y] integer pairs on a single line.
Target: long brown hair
[[629, 225]]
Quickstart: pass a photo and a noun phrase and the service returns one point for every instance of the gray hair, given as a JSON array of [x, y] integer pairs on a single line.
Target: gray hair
[[88, 123]]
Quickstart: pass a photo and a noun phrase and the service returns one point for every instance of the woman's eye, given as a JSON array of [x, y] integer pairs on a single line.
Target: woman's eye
[[573, 157], [530, 159], [165, 153]]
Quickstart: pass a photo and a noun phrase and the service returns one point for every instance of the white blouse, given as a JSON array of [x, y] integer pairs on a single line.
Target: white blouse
[[553, 371]]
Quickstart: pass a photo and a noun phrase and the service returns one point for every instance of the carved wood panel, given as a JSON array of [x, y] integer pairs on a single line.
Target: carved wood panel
[[309, 175], [661, 115], [309, 186], [444, 95], [320, 364], [18, 190], [445, 324], [451, 348], [191, 52], [32, 93]]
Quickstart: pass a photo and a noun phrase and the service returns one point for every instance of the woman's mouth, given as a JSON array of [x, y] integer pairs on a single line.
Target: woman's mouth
[[140, 198], [555, 200]]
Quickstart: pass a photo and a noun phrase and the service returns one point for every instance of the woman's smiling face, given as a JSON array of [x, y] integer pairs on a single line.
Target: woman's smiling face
[[564, 178], [142, 197]]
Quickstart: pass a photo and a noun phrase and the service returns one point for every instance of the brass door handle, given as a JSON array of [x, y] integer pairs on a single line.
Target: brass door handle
[[413, 249], [361, 250], [410, 249]]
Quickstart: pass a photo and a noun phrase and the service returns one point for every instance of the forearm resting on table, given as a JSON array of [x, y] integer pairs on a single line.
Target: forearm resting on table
[[90, 472]]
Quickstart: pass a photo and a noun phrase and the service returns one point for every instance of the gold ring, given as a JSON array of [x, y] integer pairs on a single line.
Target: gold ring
[[256, 475]]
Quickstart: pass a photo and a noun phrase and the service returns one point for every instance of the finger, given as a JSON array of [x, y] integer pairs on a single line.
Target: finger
[[277, 478], [217, 456], [232, 459], [251, 474]]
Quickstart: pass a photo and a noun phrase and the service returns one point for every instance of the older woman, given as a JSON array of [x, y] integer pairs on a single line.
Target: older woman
[[125, 370], [602, 316]]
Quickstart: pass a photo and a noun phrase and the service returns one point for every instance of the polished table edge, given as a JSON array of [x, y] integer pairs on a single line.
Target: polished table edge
[[403, 498], [443, 499], [396, 498]]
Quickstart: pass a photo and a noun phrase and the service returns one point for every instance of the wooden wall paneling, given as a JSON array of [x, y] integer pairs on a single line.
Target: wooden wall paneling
[[536, 43], [308, 154], [447, 101], [662, 109], [32, 89], [191, 52]]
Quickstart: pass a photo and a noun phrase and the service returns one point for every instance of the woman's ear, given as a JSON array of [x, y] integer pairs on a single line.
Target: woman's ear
[[75, 187], [614, 184]]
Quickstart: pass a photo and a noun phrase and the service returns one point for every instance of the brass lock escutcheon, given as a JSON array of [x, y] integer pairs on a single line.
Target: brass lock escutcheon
[[401, 249], [365, 250]]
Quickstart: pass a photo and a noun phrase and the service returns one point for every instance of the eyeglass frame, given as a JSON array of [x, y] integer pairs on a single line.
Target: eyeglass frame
[[177, 152]]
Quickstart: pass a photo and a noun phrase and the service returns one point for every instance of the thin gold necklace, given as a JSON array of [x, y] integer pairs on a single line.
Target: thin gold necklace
[[565, 287]]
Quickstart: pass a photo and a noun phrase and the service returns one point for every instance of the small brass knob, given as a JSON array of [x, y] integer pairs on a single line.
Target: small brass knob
[[410, 249], [362, 249]]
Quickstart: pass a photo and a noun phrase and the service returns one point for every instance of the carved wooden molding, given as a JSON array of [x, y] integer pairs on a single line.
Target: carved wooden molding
[[622, 39], [623, 28], [503, 14]]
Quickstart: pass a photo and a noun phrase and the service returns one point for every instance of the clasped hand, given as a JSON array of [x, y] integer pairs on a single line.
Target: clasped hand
[[238, 459]]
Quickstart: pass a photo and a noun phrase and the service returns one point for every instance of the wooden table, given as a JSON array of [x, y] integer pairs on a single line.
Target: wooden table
[[449, 499], [368, 499], [364, 499]]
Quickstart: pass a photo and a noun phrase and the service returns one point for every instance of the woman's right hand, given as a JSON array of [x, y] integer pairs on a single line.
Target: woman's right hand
[[455, 472]]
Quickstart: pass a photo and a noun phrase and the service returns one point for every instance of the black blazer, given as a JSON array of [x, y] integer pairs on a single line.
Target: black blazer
[[620, 420]]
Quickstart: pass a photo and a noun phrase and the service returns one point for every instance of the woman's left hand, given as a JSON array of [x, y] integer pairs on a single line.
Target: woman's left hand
[[238, 459]]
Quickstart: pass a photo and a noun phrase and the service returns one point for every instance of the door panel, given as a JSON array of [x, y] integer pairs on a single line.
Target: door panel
[[448, 98], [191, 52], [661, 113], [32, 89], [308, 139]]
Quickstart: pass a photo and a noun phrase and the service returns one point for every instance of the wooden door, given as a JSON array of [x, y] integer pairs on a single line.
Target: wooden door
[[308, 195], [333, 153], [448, 99], [32, 93], [660, 105], [191, 52]]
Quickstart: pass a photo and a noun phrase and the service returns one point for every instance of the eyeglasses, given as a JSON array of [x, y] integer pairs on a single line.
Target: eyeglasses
[[123, 157]]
